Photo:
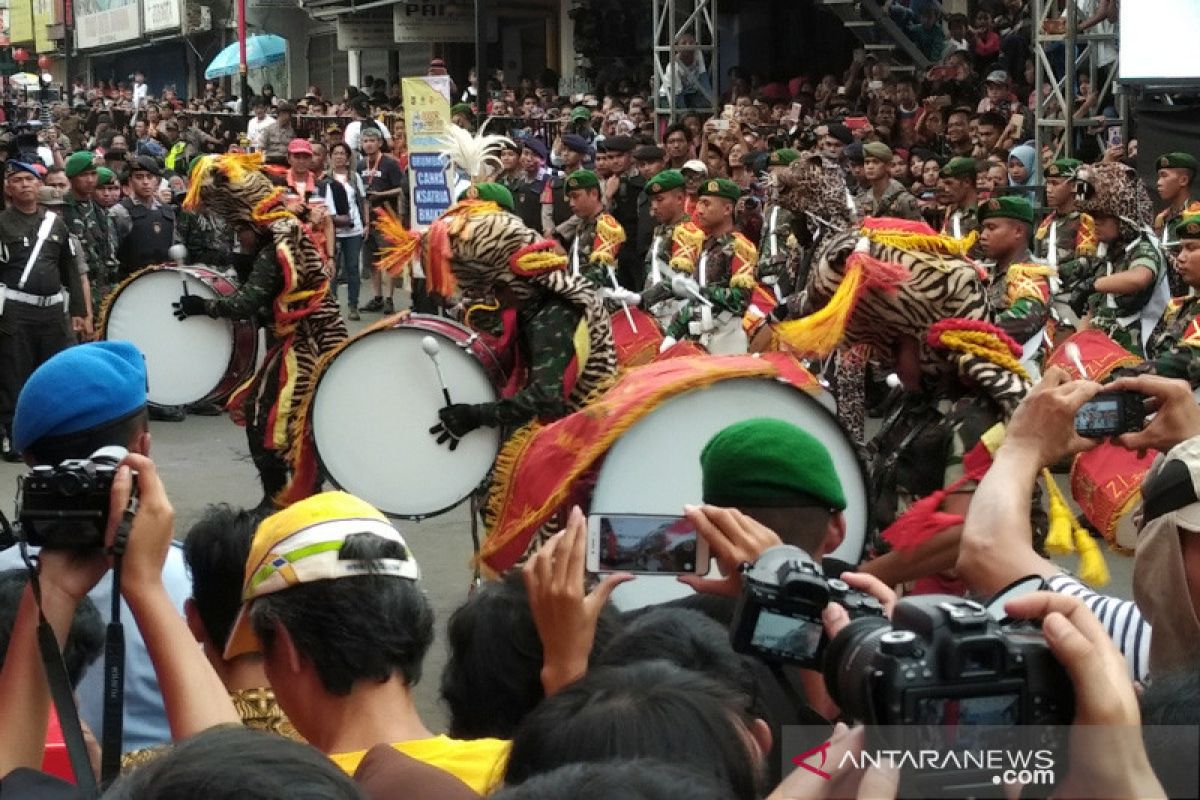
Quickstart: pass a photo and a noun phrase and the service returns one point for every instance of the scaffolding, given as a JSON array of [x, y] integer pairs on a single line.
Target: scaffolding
[[1060, 45], [676, 21]]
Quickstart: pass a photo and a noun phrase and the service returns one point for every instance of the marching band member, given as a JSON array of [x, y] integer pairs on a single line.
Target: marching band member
[[591, 238], [1066, 239], [1019, 290], [676, 243], [1176, 349]]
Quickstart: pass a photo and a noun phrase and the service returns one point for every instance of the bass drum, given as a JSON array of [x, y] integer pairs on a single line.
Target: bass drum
[[375, 401], [195, 360], [654, 468]]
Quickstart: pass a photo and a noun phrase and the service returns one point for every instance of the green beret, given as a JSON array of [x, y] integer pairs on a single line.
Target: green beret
[[1177, 161], [721, 187], [105, 176], [580, 113], [78, 163], [784, 156], [878, 150], [1007, 207], [581, 179], [1188, 227], [769, 463], [960, 167], [1063, 168], [665, 181], [461, 108], [500, 195]]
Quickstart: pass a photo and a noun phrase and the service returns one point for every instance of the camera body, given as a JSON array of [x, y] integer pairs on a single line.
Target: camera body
[[1111, 414], [944, 660], [66, 507], [778, 616]]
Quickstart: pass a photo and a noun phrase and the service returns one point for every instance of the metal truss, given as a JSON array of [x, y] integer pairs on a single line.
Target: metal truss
[[673, 20]]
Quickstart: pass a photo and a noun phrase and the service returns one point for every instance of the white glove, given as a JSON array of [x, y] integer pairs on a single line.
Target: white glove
[[667, 343], [622, 296], [684, 287]]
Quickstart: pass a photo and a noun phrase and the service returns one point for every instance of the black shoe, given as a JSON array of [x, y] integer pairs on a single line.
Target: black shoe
[[374, 307], [205, 409], [389, 307], [354, 315], [167, 413]]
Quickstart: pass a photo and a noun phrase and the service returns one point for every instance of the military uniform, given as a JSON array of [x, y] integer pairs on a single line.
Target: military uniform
[[896, 201], [1020, 300], [724, 273], [1167, 221], [624, 208], [776, 252], [1176, 348], [97, 238], [34, 323], [1121, 317], [208, 240]]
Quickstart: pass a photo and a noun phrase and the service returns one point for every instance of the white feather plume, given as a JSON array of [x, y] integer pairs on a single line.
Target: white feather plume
[[476, 155]]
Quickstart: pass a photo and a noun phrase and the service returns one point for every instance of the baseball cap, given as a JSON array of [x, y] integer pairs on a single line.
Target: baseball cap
[[302, 544], [694, 165], [300, 146], [997, 76]]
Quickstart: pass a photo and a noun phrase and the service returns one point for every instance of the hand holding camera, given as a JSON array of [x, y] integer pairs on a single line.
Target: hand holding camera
[[1044, 422], [1176, 415]]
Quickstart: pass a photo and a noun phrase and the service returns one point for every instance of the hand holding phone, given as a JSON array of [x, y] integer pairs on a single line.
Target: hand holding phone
[[645, 544]]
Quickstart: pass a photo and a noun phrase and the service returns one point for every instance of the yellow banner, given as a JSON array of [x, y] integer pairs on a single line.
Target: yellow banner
[[426, 121], [20, 21]]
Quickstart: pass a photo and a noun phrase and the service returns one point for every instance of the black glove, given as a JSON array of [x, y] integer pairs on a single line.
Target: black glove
[[1081, 294], [189, 305], [780, 312], [456, 422]]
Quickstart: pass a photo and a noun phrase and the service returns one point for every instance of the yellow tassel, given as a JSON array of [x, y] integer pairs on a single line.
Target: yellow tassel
[[686, 242], [541, 261], [1092, 569], [820, 332], [743, 280], [923, 243], [1058, 537], [609, 238]]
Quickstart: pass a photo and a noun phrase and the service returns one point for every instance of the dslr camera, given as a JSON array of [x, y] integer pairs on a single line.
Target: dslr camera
[[66, 507], [944, 660], [778, 616]]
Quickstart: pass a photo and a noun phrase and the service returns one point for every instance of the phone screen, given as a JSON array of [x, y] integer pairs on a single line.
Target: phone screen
[[1114, 137], [1099, 417], [642, 543]]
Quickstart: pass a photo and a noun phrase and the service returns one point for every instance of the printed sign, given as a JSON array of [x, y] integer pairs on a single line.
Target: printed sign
[[104, 22], [416, 23], [160, 15], [426, 120]]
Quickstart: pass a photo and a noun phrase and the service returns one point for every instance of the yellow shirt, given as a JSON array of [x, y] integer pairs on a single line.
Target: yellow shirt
[[479, 763]]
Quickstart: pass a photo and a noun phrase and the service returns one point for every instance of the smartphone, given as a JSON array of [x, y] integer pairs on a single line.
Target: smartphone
[[854, 123], [1017, 122], [797, 112], [1114, 137], [1111, 414], [645, 544], [721, 124], [874, 86], [727, 111]]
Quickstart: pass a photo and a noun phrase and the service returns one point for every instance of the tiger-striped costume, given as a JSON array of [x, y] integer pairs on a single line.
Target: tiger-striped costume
[[289, 284]]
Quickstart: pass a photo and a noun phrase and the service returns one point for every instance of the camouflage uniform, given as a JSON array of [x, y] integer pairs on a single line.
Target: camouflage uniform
[[94, 231], [208, 240], [720, 260], [1176, 348], [658, 260], [775, 251], [1165, 222], [968, 221], [578, 237], [895, 202], [1120, 316], [1020, 300], [1074, 245]]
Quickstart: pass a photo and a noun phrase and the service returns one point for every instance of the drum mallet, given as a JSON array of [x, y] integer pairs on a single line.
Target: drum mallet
[[612, 276], [432, 348], [1073, 354]]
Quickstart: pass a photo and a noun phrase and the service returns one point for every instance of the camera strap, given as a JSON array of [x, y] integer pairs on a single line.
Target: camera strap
[[60, 690], [114, 671]]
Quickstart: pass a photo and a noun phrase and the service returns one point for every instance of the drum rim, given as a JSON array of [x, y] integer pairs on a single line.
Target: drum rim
[[238, 328], [855, 452], [361, 335]]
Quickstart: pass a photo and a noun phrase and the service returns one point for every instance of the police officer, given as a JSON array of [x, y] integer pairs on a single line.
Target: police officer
[[622, 189], [649, 160], [145, 227], [39, 284]]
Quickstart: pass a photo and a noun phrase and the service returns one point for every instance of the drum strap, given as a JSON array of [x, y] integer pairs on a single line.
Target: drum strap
[[42, 235], [655, 269]]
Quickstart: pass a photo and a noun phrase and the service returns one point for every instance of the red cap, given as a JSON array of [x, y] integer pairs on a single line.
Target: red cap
[[297, 146]]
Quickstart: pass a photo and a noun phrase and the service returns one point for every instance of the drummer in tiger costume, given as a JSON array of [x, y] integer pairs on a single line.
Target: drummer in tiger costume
[[1018, 289], [722, 291], [1176, 350], [289, 287], [1066, 239], [1128, 292], [591, 238]]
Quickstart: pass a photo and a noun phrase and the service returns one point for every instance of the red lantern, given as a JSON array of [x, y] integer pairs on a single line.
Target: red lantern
[[20, 55], [44, 62]]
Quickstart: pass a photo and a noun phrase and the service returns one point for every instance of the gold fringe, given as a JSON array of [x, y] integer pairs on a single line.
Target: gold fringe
[[743, 280], [923, 243], [820, 332]]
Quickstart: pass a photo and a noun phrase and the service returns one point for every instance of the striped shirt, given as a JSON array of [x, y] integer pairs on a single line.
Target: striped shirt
[[1121, 618]]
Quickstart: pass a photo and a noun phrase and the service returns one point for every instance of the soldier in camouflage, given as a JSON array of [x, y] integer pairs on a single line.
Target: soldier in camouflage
[[1176, 174], [1176, 350], [884, 196], [208, 240], [1066, 240], [957, 194], [674, 246], [1019, 290], [778, 243], [90, 226], [591, 238]]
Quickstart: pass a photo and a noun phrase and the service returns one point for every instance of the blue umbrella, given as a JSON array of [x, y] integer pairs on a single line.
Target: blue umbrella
[[262, 50]]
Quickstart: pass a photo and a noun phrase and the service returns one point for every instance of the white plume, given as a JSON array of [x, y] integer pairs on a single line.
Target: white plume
[[476, 155]]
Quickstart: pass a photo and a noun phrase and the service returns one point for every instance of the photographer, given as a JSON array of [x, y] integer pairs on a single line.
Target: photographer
[[996, 547]]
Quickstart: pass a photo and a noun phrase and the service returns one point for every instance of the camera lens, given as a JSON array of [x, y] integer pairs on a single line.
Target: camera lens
[[71, 483], [849, 659]]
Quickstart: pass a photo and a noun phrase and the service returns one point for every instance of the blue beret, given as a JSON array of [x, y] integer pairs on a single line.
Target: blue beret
[[22, 166], [536, 145], [81, 388], [573, 141]]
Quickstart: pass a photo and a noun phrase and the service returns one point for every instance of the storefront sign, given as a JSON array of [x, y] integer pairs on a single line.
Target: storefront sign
[[426, 120], [160, 15], [104, 22], [368, 30], [416, 23], [20, 20], [46, 14]]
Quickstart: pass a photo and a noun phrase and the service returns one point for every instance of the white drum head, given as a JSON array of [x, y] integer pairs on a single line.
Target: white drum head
[[185, 361], [654, 468], [371, 417]]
